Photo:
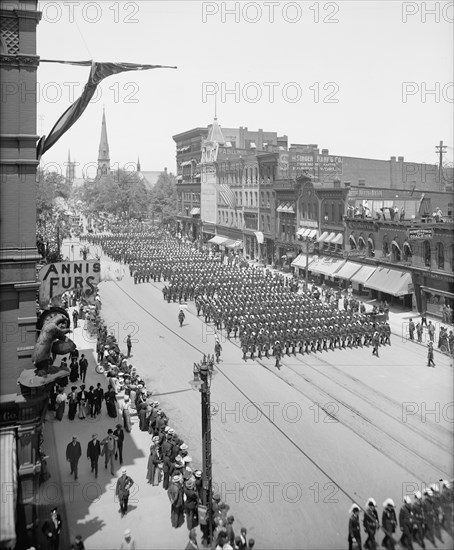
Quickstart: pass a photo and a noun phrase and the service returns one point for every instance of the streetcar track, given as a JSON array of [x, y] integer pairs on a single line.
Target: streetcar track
[[288, 438], [358, 414], [395, 404]]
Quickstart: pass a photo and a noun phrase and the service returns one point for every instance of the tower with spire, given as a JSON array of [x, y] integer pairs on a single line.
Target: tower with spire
[[70, 169], [138, 164], [103, 153], [208, 184]]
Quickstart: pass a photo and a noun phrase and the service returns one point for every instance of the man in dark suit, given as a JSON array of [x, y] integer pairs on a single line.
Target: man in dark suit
[[93, 453], [73, 453], [99, 396], [83, 365], [120, 435], [52, 528]]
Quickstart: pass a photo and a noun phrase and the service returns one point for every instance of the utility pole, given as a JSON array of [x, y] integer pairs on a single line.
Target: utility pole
[[441, 150]]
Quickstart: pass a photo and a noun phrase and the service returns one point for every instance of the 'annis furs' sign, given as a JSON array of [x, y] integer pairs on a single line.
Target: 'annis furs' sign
[[418, 233], [58, 278]]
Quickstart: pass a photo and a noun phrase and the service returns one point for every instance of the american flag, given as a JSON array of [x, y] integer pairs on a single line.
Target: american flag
[[227, 195]]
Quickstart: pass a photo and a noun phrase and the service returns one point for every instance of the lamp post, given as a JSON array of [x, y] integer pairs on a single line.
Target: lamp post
[[202, 382]]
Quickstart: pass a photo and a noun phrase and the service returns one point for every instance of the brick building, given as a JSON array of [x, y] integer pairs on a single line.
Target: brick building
[[20, 417]]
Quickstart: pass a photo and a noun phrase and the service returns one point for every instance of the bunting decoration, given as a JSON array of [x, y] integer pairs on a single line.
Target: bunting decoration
[[99, 71], [227, 195]]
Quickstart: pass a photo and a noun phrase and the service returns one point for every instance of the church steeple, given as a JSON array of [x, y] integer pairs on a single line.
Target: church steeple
[[70, 169], [138, 164], [103, 154]]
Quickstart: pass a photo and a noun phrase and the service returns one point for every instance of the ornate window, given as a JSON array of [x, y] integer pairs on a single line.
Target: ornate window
[[385, 245], [427, 254], [370, 246], [440, 255]]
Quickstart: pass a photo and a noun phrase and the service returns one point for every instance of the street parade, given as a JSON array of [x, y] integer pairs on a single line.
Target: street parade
[[263, 310]]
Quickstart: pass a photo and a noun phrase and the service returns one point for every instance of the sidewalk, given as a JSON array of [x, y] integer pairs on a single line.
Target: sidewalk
[[88, 506]]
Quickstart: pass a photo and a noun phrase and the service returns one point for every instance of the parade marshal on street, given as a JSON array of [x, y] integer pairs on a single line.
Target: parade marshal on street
[[62, 277]]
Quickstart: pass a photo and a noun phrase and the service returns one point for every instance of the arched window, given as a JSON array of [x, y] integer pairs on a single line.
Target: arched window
[[361, 242], [440, 255], [370, 246], [427, 254], [333, 212], [385, 245], [407, 251], [315, 209], [396, 250], [352, 241], [309, 211]]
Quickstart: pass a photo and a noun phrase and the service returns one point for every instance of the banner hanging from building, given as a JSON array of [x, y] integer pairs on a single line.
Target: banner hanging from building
[[58, 278]]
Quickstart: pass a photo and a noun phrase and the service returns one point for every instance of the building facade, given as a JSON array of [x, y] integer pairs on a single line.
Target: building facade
[[20, 416]]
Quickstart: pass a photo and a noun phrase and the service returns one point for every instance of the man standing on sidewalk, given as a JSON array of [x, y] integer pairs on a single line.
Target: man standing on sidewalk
[[411, 329], [93, 452], [73, 454], [99, 396], [129, 345], [120, 435], [430, 355], [83, 364], [124, 483], [431, 330], [110, 448], [52, 529]]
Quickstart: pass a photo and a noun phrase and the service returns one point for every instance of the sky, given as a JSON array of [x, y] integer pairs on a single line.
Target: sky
[[368, 79]]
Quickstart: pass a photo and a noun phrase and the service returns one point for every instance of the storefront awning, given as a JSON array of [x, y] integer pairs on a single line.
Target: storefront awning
[[323, 237], [195, 211], [302, 232], [228, 243], [300, 261], [326, 266], [8, 479], [361, 276], [391, 281], [260, 237], [338, 239], [218, 239], [235, 244], [348, 270], [330, 238]]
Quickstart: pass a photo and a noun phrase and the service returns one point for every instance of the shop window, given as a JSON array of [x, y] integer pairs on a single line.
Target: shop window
[[450, 209], [440, 256], [427, 254]]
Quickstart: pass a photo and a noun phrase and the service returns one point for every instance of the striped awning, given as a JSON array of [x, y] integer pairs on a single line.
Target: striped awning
[[323, 237], [195, 211], [326, 266], [218, 239], [363, 274], [8, 479], [391, 281], [348, 270], [300, 261], [338, 239], [330, 238]]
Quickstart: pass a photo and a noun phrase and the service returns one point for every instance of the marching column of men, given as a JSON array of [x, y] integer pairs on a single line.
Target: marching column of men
[[425, 517], [262, 309]]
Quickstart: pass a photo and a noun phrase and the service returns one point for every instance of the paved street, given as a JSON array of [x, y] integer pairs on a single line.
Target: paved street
[[291, 448]]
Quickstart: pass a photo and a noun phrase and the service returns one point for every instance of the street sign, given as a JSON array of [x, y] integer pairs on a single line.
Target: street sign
[[420, 233]]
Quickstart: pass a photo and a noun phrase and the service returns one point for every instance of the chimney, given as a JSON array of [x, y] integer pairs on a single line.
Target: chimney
[[361, 182], [325, 152], [400, 159], [347, 184], [393, 159], [165, 169], [336, 182]]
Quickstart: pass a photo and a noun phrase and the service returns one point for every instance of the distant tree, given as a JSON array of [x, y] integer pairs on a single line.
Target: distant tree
[[52, 225], [164, 198]]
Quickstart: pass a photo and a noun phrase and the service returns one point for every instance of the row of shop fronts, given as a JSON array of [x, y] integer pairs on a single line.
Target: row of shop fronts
[[410, 289]]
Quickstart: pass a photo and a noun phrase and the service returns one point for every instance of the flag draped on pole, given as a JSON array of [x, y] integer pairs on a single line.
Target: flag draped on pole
[[99, 71], [227, 195]]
